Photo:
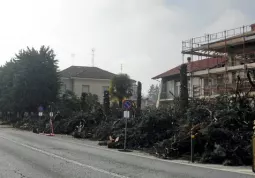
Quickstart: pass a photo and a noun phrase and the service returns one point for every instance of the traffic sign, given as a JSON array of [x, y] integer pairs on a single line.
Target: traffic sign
[[127, 104], [40, 114], [126, 114], [40, 109], [51, 114]]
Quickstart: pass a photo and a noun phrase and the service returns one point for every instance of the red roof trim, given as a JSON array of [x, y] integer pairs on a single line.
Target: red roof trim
[[193, 66]]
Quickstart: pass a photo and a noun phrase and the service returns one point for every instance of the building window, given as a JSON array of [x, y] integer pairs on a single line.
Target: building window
[[105, 88], [85, 88], [164, 87], [134, 90], [177, 88]]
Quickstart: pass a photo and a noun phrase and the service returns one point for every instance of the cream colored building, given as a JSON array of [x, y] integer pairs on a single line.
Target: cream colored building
[[81, 79]]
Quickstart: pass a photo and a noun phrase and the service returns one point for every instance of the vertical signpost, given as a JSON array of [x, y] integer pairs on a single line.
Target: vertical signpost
[[40, 111], [51, 124], [126, 116], [127, 105]]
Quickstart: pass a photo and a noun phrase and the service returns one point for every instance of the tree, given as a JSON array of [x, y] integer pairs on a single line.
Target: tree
[[139, 97], [153, 92], [68, 103], [121, 87], [88, 102], [29, 80], [184, 93]]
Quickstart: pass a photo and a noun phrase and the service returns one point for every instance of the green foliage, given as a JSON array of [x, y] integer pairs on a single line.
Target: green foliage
[[121, 87], [6, 86], [29, 80], [184, 94], [89, 102], [68, 103]]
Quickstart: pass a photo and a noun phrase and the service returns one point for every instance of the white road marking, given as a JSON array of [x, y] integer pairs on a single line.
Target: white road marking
[[65, 159], [234, 169]]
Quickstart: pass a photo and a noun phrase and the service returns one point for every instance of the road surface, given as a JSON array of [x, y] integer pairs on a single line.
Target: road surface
[[28, 155]]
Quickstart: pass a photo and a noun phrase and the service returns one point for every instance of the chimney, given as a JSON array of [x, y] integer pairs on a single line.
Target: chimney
[[253, 27], [189, 59]]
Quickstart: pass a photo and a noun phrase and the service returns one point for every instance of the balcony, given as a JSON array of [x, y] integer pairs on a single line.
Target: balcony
[[212, 90], [220, 89]]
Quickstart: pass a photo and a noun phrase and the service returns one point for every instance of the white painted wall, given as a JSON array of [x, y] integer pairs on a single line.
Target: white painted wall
[[95, 86], [66, 84], [172, 86]]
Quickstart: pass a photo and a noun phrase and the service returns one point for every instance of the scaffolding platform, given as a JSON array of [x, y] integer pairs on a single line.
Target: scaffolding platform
[[237, 41]]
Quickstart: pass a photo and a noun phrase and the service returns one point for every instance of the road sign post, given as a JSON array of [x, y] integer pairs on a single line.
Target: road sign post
[[40, 111], [126, 116], [127, 105], [51, 123]]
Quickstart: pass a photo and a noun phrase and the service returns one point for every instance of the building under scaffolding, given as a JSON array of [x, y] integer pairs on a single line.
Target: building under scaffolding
[[236, 47], [215, 62]]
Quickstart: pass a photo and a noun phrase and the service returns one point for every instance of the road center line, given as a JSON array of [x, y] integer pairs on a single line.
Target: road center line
[[65, 159]]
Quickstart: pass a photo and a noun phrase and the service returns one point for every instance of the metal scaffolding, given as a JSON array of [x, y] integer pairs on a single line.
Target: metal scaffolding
[[236, 46]]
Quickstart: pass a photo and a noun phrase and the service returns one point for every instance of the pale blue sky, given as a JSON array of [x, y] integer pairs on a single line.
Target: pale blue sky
[[144, 35]]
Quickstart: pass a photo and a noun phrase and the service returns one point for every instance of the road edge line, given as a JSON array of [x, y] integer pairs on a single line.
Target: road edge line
[[65, 159]]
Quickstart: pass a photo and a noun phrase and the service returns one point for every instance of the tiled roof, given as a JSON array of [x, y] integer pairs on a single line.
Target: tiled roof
[[193, 66], [86, 72]]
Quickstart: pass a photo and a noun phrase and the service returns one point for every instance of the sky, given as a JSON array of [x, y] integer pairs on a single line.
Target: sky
[[143, 35]]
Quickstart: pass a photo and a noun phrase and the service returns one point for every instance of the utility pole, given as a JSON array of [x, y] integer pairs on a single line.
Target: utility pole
[[121, 67], [93, 54]]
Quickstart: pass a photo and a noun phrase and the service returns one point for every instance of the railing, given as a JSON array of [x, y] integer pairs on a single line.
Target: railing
[[209, 38], [218, 89], [221, 89]]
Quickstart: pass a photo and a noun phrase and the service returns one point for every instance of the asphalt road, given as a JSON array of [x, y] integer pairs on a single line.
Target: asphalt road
[[28, 155]]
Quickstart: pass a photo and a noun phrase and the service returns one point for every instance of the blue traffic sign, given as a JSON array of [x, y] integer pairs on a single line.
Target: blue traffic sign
[[40, 109], [127, 104]]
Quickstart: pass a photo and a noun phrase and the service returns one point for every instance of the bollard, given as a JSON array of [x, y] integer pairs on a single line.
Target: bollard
[[192, 139], [125, 141]]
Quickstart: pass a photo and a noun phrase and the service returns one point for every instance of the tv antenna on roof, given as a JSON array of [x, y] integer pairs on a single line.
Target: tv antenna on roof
[[93, 55], [73, 58]]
